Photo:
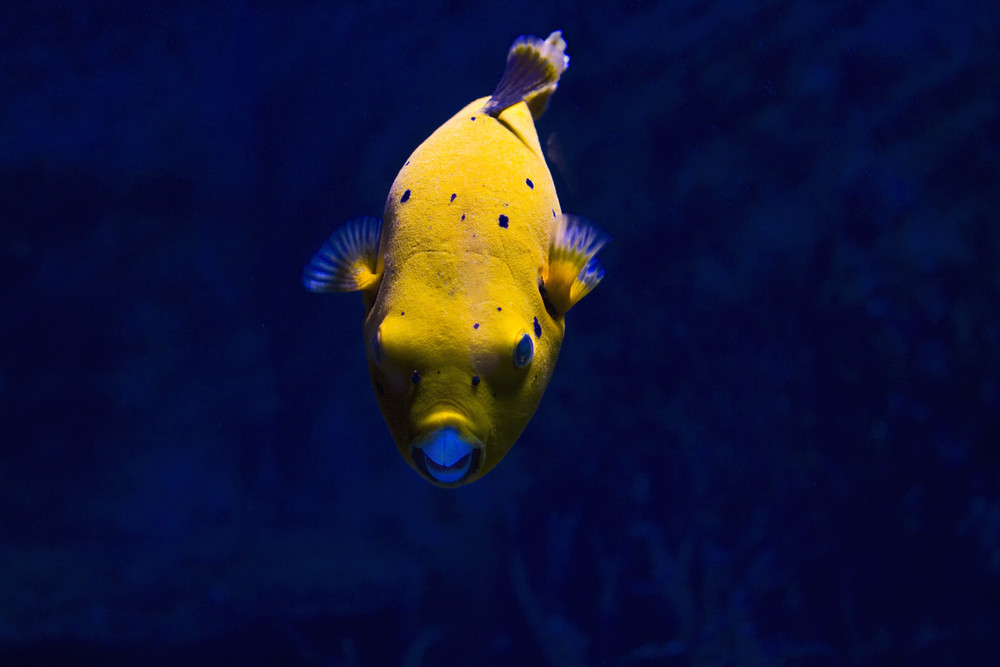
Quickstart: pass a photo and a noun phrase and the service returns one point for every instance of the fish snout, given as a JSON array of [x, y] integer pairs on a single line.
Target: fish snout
[[445, 457]]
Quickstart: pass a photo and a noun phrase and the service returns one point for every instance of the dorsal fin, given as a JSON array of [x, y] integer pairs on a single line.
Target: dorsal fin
[[532, 74]]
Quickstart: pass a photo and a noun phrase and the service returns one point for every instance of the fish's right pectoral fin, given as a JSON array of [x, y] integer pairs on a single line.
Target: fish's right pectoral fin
[[347, 261]]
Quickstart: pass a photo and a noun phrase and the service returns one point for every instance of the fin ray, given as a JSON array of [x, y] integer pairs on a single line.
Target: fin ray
[[532, 74], [346, 261], [573, 270]]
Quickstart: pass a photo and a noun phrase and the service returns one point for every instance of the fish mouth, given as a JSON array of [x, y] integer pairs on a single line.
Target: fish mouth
[[445, 457]]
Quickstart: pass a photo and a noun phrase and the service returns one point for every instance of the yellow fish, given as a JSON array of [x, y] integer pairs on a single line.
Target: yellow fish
[[468, 276]]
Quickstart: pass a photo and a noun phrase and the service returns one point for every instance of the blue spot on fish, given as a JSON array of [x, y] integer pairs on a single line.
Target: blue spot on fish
[[406, 195], [503, 220]]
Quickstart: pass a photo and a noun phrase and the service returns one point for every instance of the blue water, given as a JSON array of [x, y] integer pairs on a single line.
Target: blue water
[[774, 430]]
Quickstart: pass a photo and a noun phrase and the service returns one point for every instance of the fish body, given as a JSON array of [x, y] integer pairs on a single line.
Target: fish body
[[467, 277]]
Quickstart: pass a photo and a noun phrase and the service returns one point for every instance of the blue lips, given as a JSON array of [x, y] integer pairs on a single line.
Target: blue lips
[[447, 457]]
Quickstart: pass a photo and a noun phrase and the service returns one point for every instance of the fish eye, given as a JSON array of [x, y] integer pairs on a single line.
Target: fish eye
[[524, 350], [377, 346]]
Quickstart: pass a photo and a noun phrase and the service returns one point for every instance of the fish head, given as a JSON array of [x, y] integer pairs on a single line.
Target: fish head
[[458, 382]]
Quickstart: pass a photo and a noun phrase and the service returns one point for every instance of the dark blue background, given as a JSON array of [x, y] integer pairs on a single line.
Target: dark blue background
[[773, 431]]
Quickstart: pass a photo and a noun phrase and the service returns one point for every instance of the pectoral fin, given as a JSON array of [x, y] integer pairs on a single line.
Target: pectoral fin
[[346, 262], [573, 269]]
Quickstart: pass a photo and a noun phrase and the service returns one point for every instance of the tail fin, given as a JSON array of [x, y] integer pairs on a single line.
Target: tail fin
[[532, 74]]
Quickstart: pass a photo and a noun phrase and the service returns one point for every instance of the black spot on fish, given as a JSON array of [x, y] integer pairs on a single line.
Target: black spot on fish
[[463, 216], [415, 377], [499, 309], [530, 184], [476, 325], [406, 195], [453, 195], [402, 312], [503, 220], [475, 380], [538, 329]]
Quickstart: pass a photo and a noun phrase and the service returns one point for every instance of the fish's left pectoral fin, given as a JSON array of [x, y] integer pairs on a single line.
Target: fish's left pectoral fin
[[573, 269], [347, 261]]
